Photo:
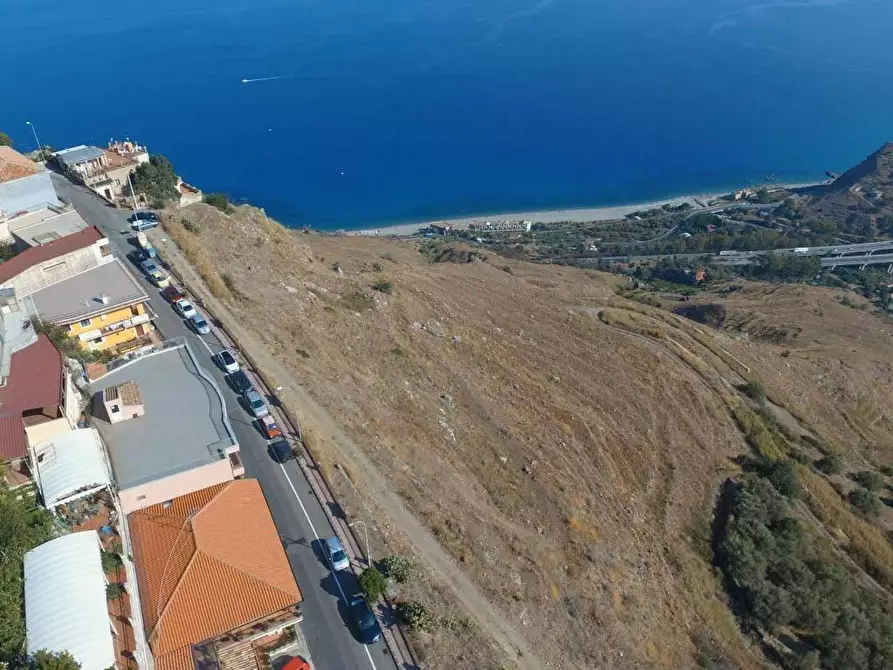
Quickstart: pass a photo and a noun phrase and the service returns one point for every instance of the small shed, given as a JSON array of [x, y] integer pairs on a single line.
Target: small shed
[[65, 601], [123, 401]]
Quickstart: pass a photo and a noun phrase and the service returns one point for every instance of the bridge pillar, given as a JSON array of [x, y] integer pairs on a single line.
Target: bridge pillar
[[863, 266], [890, 269]]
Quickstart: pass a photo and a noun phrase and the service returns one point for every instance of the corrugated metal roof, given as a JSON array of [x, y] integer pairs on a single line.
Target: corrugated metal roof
[[71, 462], [79, 154], [209, 562], [13, 441], [34, 381], [45, 252], [65, 602]]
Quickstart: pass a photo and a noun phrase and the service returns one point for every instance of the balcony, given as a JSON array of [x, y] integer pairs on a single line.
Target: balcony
[[113, 327], [235, 462]]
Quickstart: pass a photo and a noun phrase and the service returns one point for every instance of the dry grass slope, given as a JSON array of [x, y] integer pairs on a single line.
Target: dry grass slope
[[563, 444]]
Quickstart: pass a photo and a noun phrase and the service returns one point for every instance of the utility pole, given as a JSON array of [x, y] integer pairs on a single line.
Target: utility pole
[[39, 145], [366, 531], [132, 192]]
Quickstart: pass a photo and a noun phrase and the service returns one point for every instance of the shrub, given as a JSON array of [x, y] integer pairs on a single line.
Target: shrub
[[48, 660], [783, 476], [218, 200], [357, 301], [110, 561], [866, 502], [869, 479], [373, 583], [376, 267], [830, 465], [227, 281], [399, 568], [383, 285], [190, 226], [416, 616], [755, 391], [114, 591]]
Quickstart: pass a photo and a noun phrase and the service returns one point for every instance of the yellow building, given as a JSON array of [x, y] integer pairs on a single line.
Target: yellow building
[[104, 307]]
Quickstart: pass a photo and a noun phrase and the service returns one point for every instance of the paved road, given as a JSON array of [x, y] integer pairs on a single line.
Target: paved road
[[297, 513]]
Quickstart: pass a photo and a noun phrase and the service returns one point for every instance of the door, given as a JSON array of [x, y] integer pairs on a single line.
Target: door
[[140, 330]]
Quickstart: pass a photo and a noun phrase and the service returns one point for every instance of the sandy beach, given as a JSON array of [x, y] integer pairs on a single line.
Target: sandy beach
[[581, 215]]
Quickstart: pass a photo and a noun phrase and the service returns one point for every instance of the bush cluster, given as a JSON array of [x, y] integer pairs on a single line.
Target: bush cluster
[[779, 580]]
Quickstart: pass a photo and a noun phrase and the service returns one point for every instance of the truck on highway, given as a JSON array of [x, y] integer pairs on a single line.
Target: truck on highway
[[801, 250], [728, 253]]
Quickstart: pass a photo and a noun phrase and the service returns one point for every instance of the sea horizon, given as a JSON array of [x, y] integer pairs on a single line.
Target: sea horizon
[[356, 117]]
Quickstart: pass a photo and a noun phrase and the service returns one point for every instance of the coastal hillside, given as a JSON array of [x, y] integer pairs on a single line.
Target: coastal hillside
[[562, 441]]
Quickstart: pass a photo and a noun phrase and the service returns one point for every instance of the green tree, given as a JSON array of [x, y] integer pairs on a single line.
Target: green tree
[[866, 502], [156, 179], [783, 476], [7, 251], [830, 465], [47, 660], [869, 479], [373, 583], [21, 529], [218, 200], [4, 140]]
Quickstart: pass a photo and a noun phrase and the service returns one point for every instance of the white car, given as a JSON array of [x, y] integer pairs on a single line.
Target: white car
[[227, 361], [187, 311]]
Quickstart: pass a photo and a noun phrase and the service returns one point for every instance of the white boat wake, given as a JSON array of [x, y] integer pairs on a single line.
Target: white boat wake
[[254, 81]]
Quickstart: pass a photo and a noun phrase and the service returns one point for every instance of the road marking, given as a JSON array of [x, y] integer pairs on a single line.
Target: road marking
[[316, 535], [202, 340]]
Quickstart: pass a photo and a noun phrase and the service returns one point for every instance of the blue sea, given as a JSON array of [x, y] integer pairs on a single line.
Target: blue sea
[[379, 111]]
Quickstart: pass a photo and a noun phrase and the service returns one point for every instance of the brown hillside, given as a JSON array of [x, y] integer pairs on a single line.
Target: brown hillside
[[562, 444]]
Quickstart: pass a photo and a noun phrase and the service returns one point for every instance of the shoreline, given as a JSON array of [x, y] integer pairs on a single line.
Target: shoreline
[[573, 215]]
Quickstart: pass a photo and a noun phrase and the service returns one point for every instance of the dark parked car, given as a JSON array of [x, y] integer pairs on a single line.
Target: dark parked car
[[281, 451], [148, 217], [366, 625], [240, 382]]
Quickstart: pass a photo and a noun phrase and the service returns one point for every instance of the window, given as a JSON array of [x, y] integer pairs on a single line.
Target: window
[[115, 408], [141, 497], [167, 504], [86, 323], [105, 251], [117, 182], [103, 317]]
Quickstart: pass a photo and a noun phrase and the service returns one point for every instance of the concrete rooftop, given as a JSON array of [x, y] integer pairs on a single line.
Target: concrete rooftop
[[80, 296], [184, 426]]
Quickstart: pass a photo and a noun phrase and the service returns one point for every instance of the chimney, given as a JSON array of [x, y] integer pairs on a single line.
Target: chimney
[[104, 298]]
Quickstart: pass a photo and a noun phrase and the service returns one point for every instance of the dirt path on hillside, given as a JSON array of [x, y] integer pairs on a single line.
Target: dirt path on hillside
[[318, 419]]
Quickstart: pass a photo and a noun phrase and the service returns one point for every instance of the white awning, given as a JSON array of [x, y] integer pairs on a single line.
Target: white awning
[[70, 466], [65, 601]]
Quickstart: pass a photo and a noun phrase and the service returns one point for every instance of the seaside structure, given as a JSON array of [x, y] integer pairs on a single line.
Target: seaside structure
[[501, 226], [105, 171], [24, 185], [164, 422]]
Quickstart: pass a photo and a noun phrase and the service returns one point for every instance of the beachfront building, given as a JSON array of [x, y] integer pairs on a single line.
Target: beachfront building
[[501, 226], [105, 171]]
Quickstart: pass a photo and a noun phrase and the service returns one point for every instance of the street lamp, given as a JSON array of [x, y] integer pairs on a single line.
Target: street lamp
[[39, 145], [366, 531]]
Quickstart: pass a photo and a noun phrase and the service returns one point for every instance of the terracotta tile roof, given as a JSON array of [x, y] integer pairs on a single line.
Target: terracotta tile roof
[[34, 255], [208, 563], [14, 165], [34, 381], [128, 392]]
